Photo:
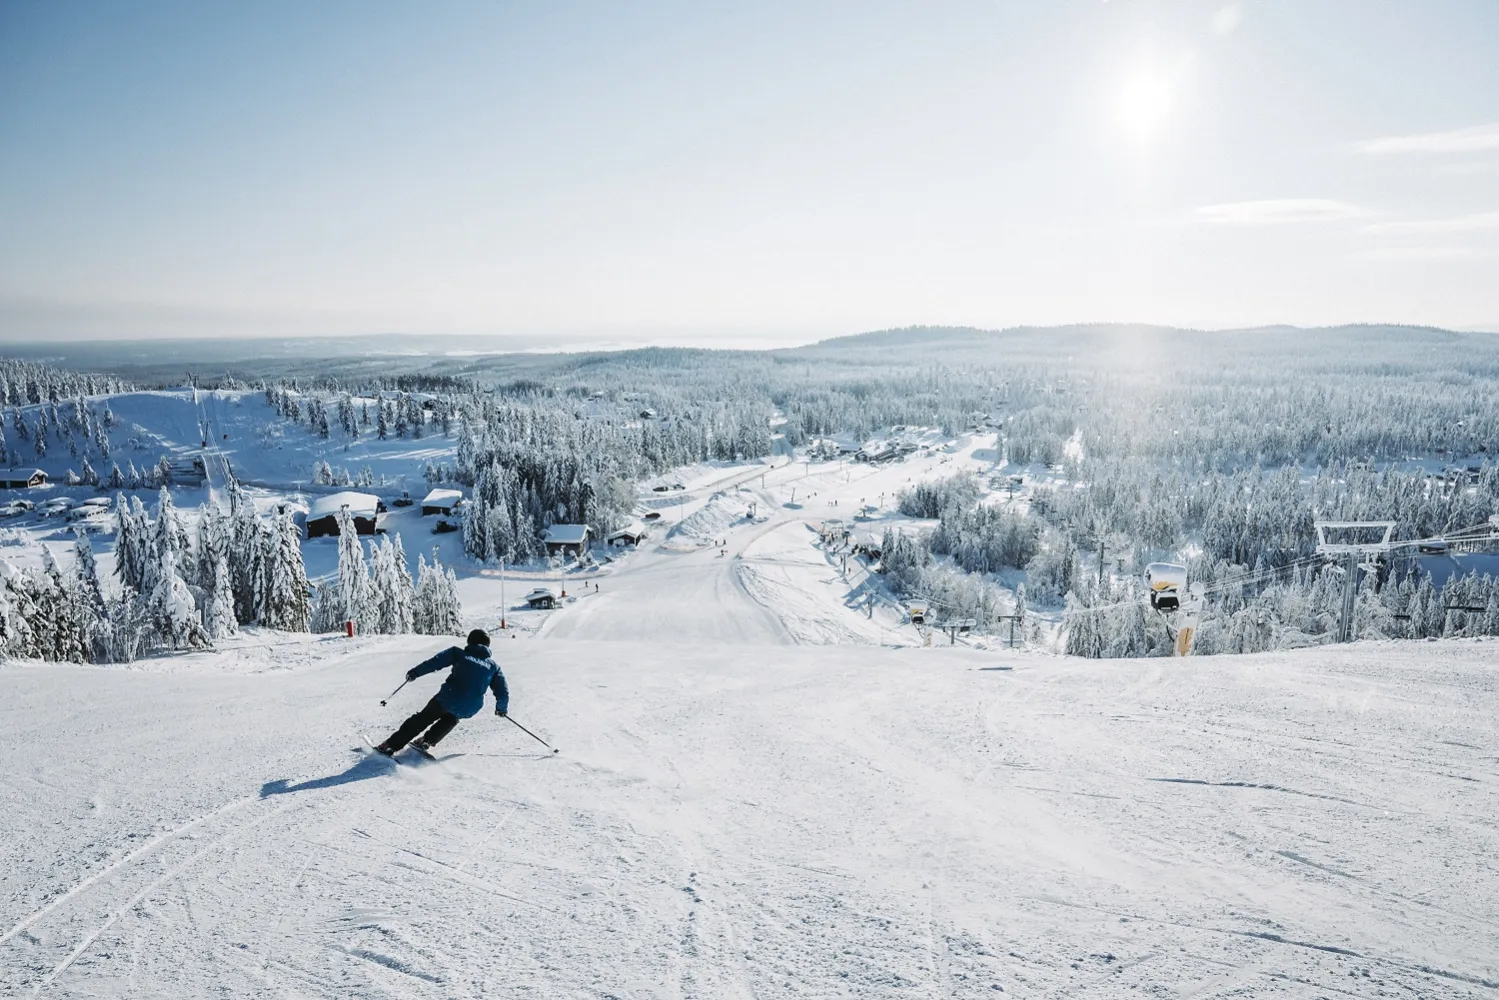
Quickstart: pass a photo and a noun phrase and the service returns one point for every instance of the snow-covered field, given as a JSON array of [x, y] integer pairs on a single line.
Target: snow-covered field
[[731, 820], [753, 799]]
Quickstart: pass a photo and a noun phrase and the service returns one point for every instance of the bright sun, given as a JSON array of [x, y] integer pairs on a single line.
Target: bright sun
[[1143, 103]]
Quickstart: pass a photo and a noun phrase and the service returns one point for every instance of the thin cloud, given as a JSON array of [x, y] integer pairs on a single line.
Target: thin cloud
[[1227, 18], [1418, 253], [1278, 212], [1480, 222], [1474, 139]]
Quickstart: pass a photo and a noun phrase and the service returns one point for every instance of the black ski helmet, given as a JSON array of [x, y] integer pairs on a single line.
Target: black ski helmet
[[478, 637]]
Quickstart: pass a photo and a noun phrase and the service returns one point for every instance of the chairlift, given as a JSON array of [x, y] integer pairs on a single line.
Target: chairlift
[[1165, 581]]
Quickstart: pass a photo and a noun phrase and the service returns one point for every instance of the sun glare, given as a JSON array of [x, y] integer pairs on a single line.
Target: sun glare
[[1143, 103]]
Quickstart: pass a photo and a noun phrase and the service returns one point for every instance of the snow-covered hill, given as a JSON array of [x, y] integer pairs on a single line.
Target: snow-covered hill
[[741, 820]]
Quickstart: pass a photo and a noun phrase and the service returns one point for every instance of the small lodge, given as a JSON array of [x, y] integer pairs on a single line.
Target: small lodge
[[541, 599], [566, 539], [627, 538], [22, 479], [366, 508], [441, 502]]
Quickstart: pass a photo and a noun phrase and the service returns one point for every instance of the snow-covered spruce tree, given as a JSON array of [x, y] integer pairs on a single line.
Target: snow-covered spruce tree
[[435, 607], [405, 589], [382, 587], [169, 537], [285, 603], [173, 614], [476, 528], [218, 603], [246, 569], [211, 549], [390, 589], [68, 630], [131, 543], [88, 571], [19, 615], [350, 598]]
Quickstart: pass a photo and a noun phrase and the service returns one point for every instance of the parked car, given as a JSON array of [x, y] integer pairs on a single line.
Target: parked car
[[404, 500]]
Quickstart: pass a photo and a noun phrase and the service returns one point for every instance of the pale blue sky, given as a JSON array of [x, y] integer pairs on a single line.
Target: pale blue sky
[[772, 171]]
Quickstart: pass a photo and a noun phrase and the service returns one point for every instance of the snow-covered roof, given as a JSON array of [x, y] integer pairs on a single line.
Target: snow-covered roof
[[359, 504], [21, 473], [541, 592], [442, 498], [566, 534], [629, 530]]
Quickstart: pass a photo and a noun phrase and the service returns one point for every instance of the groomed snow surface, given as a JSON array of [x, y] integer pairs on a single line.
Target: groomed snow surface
[[737, 820], [768, 787]]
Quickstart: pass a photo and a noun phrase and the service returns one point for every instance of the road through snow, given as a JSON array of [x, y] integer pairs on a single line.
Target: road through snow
[[746, 820]]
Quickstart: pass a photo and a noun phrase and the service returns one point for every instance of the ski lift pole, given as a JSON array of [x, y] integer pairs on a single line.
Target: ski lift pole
[[533, 736], [393, 694]]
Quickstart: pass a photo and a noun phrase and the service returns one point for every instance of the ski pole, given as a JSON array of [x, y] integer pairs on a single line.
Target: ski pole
[[393, 694], [533, 736]]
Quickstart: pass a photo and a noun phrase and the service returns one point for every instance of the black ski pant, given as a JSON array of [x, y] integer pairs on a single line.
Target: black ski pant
[[437, 720]]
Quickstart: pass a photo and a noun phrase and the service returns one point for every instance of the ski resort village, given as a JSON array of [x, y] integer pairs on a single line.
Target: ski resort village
[[776, 501], [825, 693]]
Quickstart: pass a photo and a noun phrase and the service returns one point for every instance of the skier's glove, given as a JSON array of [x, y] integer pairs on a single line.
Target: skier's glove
[[499, 711], [411, 674]]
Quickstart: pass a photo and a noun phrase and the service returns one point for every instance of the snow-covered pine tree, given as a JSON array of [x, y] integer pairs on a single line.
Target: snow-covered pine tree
[[246, 576], [382, 587], [88, 571], [218, 607], [212, 547], [285, 603], [72, 624], [476, 524], [173, 614], [130, 543], [353, 576], [19, 615], [170, 533], [435, 607], [405, 588]]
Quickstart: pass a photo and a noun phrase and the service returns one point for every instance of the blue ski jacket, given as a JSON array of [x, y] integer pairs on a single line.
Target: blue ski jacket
[[473, 670]]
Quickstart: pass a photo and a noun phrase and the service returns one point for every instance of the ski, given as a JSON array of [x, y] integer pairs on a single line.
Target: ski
[[372, 747]]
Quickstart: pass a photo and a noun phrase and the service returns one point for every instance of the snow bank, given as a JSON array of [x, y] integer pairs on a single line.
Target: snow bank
[[816, 604], [708, 523]]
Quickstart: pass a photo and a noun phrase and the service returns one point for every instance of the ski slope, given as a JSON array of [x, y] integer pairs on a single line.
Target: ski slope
[[739, 819]]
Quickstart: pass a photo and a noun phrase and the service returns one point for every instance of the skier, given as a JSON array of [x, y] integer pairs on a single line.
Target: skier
[[461, 695]]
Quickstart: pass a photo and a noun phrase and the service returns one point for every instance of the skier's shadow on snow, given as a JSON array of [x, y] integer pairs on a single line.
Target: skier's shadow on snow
[[361, 770]]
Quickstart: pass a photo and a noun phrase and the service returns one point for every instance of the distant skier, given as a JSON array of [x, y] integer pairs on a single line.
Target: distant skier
[[461, 695]]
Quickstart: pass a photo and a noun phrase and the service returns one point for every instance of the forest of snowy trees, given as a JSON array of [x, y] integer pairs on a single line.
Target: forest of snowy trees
[[1213, 450], [531, 456], [178, 588]]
